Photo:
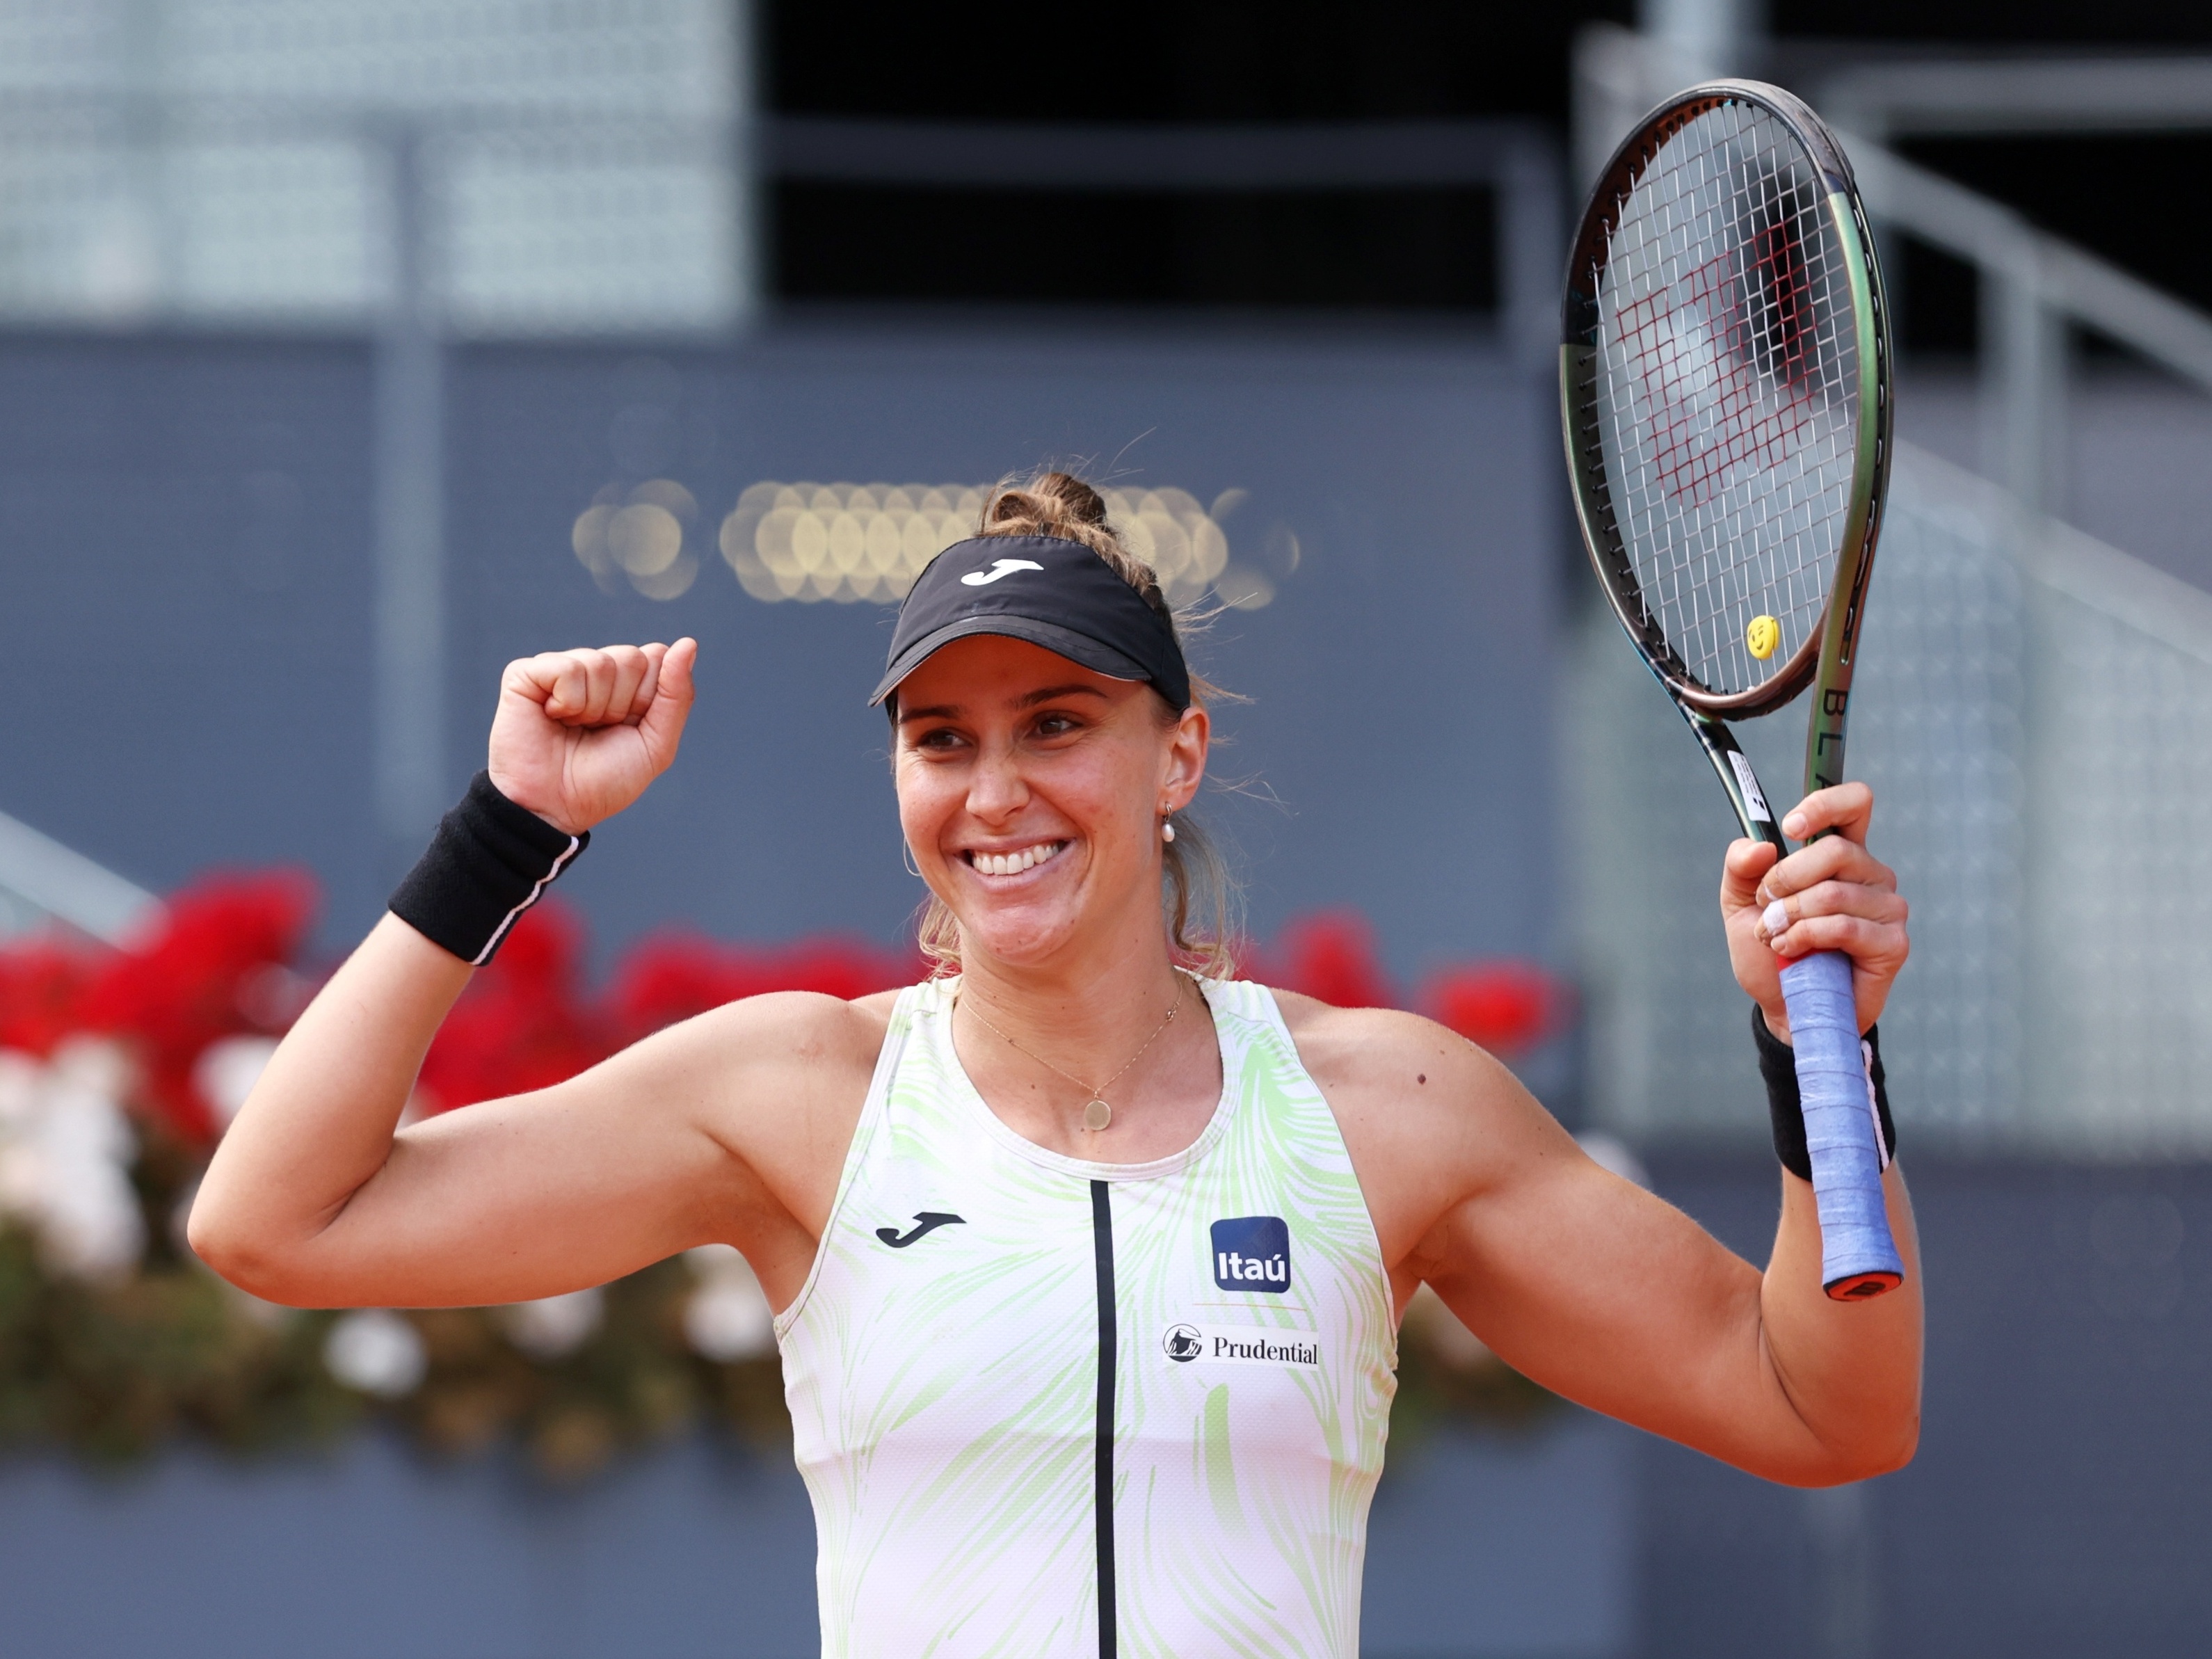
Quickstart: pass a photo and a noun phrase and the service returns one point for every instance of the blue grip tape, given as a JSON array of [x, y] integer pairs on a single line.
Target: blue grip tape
[[1842, 1134]]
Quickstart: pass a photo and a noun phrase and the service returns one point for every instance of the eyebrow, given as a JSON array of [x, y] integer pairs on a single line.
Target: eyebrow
[[1028, 699], [1032, 699]]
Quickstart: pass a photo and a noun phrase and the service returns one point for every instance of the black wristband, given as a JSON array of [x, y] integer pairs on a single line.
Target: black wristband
[[490, 861], [1778, 1065]]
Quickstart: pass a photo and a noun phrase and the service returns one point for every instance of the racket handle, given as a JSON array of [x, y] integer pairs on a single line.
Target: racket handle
[[1858, 1258]]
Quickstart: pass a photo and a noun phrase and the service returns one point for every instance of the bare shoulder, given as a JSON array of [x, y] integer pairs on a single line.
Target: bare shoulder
[[1429, 1118], [1385, 1054], [780, 1028]]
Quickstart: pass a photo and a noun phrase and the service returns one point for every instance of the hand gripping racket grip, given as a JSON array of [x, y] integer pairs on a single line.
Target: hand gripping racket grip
[[1858, 1258]]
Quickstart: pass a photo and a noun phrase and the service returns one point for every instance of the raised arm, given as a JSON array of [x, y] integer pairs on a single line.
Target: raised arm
[[1606, 1293], [1612, 1298], [317, 1197]]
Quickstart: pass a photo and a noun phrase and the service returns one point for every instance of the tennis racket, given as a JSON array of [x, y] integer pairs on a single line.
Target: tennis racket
[[1725, 384]]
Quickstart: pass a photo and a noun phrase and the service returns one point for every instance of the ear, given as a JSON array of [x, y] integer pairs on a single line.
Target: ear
[[1184, 765]]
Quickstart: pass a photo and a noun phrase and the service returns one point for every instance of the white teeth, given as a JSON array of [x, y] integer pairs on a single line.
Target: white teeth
[[1013, 864]]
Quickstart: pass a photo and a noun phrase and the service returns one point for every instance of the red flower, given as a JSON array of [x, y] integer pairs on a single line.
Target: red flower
[[522, 1025], [527, 1025], [674, 975], [1507, 1006], [199, 975], [43, 985], [1329, 957], [213, 965]]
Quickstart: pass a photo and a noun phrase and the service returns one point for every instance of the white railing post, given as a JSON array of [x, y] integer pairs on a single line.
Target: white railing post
[[2023, 379], [1612, 89], [1530, 246]]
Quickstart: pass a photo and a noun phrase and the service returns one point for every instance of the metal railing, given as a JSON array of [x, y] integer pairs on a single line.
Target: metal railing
[[2034, 286], [2027, 706], [42, 880], [2026, 709]]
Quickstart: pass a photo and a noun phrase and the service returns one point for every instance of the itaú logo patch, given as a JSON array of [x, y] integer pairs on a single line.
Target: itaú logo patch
[[1240, 1345], [1252, 1252]]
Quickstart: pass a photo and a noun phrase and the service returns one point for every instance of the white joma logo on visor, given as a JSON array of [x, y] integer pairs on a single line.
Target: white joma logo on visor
[[999, 567]]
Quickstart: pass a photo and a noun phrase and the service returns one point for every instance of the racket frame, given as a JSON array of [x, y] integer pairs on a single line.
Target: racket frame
[[1825, 659]]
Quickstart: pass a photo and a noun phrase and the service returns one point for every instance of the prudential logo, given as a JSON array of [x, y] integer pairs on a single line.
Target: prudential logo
[[1252, 1252]]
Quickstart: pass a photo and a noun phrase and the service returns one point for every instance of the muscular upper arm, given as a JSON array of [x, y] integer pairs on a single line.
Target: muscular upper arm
[[730, 1127], [1602, 1291]]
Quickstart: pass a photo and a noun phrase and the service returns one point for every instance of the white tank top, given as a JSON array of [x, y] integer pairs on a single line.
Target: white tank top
[[1047, 1407]]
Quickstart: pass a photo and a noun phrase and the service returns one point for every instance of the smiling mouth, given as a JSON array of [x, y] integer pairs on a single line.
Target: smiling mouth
[[1014, 863]]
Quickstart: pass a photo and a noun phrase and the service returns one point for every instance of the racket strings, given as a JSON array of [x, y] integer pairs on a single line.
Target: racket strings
[[1727, 390]]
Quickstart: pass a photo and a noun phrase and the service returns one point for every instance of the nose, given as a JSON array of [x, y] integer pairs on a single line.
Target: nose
[[996, 788]]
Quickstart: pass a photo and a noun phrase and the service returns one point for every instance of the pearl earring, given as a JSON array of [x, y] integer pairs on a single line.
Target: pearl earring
[[1167, 831]]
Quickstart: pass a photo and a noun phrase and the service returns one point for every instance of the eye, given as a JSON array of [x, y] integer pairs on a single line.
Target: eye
[[1057, 724], [938, 739]]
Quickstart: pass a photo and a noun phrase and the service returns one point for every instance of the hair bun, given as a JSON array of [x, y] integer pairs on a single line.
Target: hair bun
[[1061, 504], [1052, 504], [1080, 502]]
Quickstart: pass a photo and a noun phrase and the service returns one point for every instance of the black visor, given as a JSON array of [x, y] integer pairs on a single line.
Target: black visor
[[1050, 592]]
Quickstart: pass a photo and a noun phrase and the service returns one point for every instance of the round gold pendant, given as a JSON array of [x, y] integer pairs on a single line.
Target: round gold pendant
[[1098, 1115]]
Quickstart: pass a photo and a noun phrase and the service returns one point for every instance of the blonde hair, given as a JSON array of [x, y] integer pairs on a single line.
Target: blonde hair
[[1196, 888]]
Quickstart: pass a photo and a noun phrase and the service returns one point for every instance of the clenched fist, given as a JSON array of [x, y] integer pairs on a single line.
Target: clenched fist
[[580, 735]]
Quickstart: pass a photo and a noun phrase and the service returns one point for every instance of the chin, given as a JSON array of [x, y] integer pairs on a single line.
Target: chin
[[1020, 934], [1016, 943]]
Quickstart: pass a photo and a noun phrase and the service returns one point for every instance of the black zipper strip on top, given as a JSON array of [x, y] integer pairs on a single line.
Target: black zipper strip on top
[[1102, 1244]]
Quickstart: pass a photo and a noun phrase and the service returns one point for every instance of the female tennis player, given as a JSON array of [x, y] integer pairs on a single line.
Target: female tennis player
[[1088, 1266]]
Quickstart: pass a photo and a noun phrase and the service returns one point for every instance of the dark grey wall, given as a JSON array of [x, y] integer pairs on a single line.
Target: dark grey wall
[[184, 581], [2062, 1499], [183, 596]]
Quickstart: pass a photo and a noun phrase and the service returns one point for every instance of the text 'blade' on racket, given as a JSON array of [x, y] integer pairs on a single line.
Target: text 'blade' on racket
[[1724, 385]]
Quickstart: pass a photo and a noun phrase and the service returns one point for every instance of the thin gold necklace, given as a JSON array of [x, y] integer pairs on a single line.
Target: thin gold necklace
[[1097, 1113]]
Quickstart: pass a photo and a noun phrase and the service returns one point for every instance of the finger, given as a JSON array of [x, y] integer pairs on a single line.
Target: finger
[[1871, 943], [662, 727], [1748, 860], [604, 670], [648, 687], [567, 682], [537, 678], [567, 676], [1832, 898], [1832, 858], [1846, 808], [631, 667], [571, 701]]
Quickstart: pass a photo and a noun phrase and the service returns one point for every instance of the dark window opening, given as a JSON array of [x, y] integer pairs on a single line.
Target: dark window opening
[[1376, 250], [2114, 194], [1934, 299]]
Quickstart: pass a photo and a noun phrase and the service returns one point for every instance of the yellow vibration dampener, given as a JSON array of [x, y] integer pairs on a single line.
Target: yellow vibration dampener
[[1762, 636]]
